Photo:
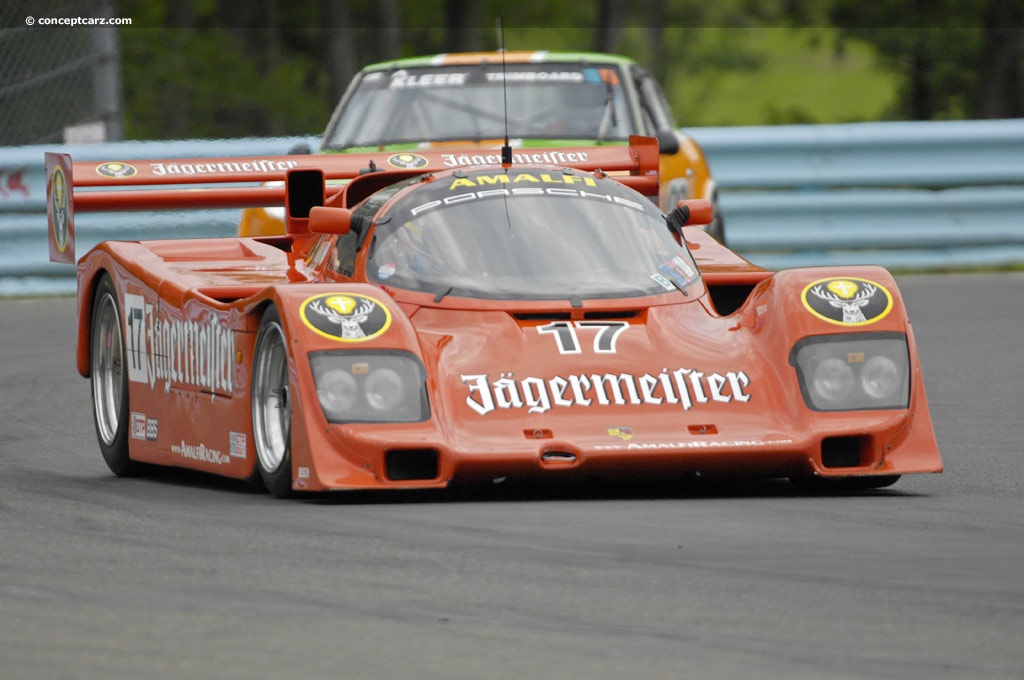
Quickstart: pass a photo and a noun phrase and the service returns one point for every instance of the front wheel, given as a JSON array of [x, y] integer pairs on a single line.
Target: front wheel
[[109, 376], [271, 405], [827, 485]]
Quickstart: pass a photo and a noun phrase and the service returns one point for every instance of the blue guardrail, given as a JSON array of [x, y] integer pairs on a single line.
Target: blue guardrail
[[907, 195]]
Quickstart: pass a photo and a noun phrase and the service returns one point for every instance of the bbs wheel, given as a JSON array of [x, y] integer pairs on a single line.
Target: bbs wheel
[[109, 376], [271, 405]]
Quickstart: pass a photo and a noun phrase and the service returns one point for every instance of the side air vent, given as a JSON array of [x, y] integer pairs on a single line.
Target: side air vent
[[728, 298]]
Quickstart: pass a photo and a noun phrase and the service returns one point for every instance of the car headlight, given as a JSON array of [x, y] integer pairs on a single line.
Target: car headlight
[[338, 391], [385, 390], [853, 371], [880, 377], [833, 379], [370, 387]]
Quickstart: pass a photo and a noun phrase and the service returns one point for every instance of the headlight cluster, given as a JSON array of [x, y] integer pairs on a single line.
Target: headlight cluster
[[370, 387], [852, 372]]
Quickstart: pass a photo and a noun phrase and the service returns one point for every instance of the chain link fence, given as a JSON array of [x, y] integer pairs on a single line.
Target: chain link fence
[[59, 82]]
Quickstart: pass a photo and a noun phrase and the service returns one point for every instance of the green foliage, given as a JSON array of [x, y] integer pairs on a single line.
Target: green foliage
[[213, 80]]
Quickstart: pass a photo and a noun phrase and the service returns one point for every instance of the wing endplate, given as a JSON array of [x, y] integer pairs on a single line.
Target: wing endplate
[[60, 207]]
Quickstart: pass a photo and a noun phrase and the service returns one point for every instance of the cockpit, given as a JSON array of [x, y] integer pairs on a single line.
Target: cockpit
[[526, 233]]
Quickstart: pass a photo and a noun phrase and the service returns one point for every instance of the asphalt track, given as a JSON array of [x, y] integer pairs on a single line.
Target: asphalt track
[[183, 576]]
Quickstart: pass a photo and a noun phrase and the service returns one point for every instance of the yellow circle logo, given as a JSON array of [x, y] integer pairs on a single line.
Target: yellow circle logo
[[348, 317], [407, 161], [60, 207], [116, 170], [847, 301]]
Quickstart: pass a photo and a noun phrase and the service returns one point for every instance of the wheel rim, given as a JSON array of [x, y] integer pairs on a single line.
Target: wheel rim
[[271, 404], [107, 367]]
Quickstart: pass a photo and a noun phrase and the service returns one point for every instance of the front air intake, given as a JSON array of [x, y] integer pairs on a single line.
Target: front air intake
[[598, 315], [411, 464], [839, 452], [612, 314]]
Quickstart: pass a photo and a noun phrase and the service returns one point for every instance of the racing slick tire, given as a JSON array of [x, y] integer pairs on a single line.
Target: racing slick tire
[[108, 370], [271, 406], [817, 484]]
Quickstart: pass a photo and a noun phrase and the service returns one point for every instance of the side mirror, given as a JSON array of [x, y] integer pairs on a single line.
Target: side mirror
[[326, 220], [690, 211], [668, 143]]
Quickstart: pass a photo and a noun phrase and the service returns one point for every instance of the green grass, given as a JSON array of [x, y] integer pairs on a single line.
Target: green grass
[[772, 76], [749, 76]]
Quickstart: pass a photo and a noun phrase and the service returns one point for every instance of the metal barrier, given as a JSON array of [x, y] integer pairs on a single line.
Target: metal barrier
[[904, 195], [921, 195]]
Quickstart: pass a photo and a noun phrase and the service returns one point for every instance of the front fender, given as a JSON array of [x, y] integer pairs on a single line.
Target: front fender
[[387, 325], [323, 455], [796, 304]]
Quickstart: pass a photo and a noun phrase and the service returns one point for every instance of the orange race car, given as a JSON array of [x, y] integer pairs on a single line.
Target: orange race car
[[468, 103], [534, 317]]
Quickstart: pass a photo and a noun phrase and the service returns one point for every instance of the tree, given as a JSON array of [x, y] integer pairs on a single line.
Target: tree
[[1000, 73], [230, 68], [958, 58]]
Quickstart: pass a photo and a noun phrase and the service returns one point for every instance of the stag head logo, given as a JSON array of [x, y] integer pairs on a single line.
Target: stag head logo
[[847, 301], [348, 317], [59, 201], [116, 170]]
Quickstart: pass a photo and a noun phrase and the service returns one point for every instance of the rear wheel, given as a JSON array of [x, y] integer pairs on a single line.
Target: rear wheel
[[271, 405], [109, 375]]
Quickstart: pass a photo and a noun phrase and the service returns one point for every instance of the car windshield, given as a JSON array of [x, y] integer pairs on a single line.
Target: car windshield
[[468, 103], [527, 234]]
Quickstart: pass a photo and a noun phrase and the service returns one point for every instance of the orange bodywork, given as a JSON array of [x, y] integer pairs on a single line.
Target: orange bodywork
[[688, 387]]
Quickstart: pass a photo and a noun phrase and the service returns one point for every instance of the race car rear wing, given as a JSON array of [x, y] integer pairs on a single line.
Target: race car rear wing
[[92, 186]]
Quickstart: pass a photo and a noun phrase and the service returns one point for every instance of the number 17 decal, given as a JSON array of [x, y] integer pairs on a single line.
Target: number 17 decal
[[568, 340]]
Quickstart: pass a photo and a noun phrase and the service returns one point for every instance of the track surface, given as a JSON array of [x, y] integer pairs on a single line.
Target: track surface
[[184, 576]]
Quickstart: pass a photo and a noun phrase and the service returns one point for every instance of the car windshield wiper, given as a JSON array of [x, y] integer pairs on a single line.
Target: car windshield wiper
[[444, 293], [680, 286], [609, 115]]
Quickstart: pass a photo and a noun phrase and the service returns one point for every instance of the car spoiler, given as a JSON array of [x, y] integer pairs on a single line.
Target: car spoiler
[[102, 186]]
